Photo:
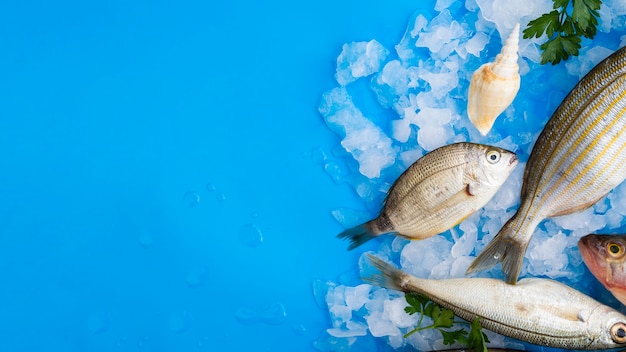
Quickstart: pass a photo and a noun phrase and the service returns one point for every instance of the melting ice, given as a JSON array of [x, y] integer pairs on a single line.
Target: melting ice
[[423, 81]]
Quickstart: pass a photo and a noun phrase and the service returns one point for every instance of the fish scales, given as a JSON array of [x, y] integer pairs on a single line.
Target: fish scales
[[421, 213], [446, 164], [577, 159], [438, 191], [560, 180], [555, 330], [580, 98], [540, 311], [488, 350]]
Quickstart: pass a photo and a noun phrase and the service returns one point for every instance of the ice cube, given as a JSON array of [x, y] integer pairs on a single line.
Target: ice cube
[[367, 143], [357, 296], [381, 327], [477, 43], [359, 59], [394, 311]]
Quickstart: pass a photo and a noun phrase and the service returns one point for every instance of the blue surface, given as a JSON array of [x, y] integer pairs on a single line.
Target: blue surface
[[112, 113]]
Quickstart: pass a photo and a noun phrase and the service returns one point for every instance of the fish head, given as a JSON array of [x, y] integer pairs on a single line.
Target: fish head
[[611, 326], [605, 256], [489, 167]]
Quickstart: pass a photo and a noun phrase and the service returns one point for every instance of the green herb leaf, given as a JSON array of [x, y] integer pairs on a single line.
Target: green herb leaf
[[410, 310], [564, 29], [445, 319], [415, 299], [559, 48], [585, 12], [452, 337], [560, 3], [416, 303], [547, 23], [431, 309], [477, 338]]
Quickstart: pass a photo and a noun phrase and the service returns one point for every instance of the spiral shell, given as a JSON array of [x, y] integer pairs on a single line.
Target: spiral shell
[[494, 85]]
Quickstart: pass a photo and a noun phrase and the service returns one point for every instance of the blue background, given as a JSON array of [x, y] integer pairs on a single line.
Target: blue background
[[113, 112]]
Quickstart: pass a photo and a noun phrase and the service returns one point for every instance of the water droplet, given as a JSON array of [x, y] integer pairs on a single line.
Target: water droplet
[[348, 217], [298, 329], [250, 235], [145, 239], [334, 170], [180, 321], [254, 215], [220, 197], [247, 316], [211, 187], [275, 314], [318, 155], [496, 256], [196, 277], [191, 199]]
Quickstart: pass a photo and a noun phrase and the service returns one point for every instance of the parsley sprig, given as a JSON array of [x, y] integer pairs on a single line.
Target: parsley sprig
[[565, 26], [443, 320]]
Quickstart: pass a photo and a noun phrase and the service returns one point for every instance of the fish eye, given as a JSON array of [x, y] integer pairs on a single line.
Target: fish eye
[[618, 332], [493, 156], [614, 249]]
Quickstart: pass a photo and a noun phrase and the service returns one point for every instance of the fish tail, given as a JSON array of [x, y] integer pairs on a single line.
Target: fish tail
[[502, 248], [360, 234], [389, 277]]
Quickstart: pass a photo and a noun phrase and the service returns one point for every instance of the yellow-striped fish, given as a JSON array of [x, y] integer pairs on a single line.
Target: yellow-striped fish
[[438, 191], [577, 159]]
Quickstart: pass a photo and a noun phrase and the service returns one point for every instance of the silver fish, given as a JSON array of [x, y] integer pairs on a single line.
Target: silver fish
[[539, 311], [577, 159], [472, 350], [438, 191]]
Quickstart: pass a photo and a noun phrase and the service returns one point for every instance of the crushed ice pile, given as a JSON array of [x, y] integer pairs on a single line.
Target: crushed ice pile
[[393, 105]]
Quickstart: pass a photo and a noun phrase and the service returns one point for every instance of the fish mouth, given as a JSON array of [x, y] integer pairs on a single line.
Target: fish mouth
[[585, 241]]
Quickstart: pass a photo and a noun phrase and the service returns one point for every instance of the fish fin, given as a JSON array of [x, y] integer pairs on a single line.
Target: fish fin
[[389, 277], [501, 249], [474, 188], [359, 234], [453, 199], [469, 190]]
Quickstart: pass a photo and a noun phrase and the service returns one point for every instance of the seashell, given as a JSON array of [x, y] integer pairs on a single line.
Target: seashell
[[494, 85]]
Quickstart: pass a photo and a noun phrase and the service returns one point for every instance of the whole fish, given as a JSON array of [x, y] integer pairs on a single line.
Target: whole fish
[[578, 158], [488, 350], [539, 311], [605, 256], [472, 350], [438, 191]]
